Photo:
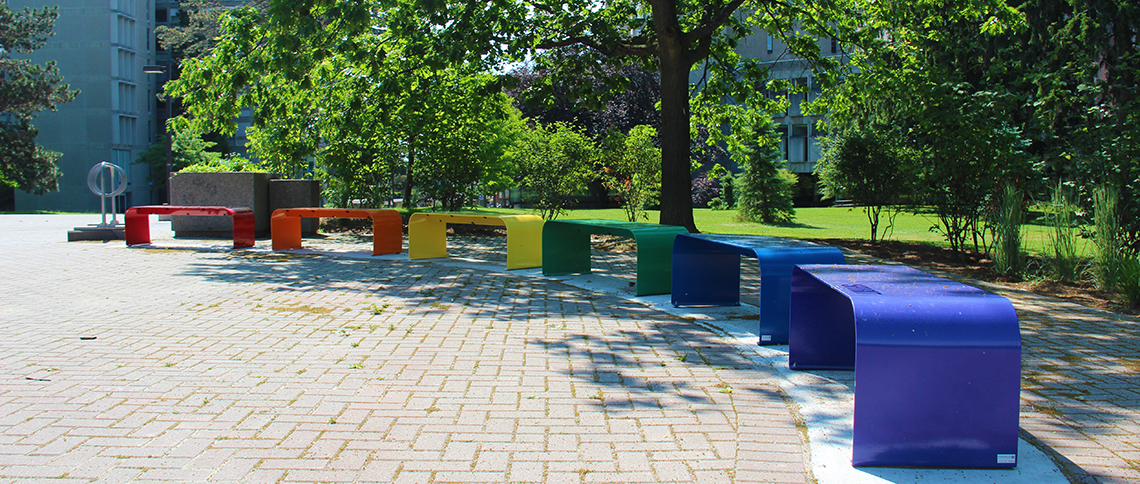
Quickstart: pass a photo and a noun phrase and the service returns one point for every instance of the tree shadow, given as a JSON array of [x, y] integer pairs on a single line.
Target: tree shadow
[[654, 366]]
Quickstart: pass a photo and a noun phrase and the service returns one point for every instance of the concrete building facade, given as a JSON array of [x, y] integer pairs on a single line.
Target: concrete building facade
[[100, 48]]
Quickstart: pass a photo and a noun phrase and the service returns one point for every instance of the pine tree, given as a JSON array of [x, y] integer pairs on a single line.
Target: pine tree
[[26, 89], [765, 188]]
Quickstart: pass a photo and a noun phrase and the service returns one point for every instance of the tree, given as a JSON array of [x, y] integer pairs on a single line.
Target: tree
[[366, 118], [199, 26], [620, 112], [870, 166], [672, 37], [26, 89], [666, 36], [941, 70], [554, 164], [764, 190], [633, 170]]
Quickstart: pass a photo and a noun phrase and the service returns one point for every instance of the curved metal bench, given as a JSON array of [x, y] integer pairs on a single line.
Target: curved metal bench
[[138, 223], [427, 236], [566, 249], [706, 272], [387, 227], [937, 362]]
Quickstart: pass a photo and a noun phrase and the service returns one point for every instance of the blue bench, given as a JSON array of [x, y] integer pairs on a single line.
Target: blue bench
[[937, 363], [706, 272]]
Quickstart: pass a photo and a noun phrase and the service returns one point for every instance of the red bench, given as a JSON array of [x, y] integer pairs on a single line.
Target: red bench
[[138, 222]]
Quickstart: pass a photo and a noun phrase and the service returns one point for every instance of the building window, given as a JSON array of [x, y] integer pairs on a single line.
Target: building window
[[127, 65], [834, 45], [128, 129], [126, 32], [160, 15], [798, 153], [123, 159], [128, 99], [770, 44]]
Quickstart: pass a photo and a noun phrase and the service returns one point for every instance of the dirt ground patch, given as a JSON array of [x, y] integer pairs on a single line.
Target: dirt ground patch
[[977, 266]]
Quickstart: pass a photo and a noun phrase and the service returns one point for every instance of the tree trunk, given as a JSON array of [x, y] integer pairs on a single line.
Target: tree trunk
[[408, 176], [676, 179]]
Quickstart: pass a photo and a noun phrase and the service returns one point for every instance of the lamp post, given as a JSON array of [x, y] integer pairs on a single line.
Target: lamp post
[[161, 69]]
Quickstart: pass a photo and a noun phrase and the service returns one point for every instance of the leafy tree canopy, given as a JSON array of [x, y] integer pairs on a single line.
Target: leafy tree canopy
[[26, 89], [584, 43]]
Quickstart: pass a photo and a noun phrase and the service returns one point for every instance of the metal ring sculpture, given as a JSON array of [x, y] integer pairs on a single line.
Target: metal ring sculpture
[[97, 182]]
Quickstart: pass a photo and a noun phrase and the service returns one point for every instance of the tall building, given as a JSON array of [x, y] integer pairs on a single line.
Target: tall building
[[100, 48]]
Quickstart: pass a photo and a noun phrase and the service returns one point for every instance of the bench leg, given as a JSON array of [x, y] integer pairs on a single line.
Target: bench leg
[[244, 230], [388, 233], [137, 230], [704, 275], [285, 230], [565, 250], [427, 239]]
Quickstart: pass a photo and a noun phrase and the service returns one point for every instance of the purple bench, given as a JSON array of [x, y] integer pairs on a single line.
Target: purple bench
[[937, 363]]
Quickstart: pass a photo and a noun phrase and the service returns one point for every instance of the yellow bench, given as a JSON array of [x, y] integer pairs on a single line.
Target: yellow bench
[[427, 236]]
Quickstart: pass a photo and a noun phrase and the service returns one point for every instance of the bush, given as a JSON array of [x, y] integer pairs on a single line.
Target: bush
[[704, 190], [224, 164], [1129, 282], [554, 163], [1007, 221], [633, 170]]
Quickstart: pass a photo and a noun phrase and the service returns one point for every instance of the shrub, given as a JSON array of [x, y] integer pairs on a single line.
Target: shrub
[[1007, 221], [704, 190], [634, 170], [1107, 263], [1129, 282], [1064, 265]]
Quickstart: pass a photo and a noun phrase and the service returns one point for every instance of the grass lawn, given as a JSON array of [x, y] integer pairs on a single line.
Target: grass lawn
[[818, 223]]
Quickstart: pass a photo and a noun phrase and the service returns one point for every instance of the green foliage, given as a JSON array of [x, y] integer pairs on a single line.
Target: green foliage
[[1007, 220], [1129, 283], [26, 89], [1064, 264], [868, 164], [189, 152], [198, 28], [726, 200], [633, 170], [936, 71], [363, 107], [224, 164], [464, 157], [1108, 259], [765, 188], [554, 163]]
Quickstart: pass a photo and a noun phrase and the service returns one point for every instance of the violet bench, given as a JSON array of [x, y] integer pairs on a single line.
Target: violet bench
[[937, 362]]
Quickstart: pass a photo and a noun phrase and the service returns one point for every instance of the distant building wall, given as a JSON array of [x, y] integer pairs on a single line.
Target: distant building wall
[[100, 47]]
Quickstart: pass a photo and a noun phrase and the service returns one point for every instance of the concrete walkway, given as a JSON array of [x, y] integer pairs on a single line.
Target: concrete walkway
[[124, 364]]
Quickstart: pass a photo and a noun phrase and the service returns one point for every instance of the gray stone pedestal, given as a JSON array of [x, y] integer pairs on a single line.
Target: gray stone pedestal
[[289, 193], [226, 189]]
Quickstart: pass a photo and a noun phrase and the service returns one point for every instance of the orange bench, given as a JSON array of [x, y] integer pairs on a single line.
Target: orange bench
[[387, 227], [137, 221]]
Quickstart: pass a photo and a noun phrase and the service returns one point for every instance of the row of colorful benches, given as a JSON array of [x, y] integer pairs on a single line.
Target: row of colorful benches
[[937, 362]]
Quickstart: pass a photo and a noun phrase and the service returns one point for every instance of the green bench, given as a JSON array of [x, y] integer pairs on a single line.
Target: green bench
[[566, 249]]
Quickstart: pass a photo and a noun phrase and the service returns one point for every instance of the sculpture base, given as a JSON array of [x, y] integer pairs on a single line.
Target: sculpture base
[[95, 232]]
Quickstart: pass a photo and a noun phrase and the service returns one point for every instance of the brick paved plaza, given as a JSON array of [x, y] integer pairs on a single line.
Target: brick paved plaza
[[122, 364]]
